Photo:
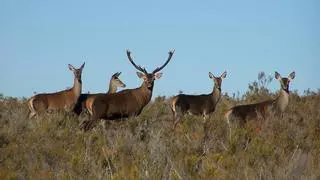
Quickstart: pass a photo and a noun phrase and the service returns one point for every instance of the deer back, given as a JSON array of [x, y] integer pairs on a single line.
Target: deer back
[[199, 104], [123, 104], [60, 100], [253, 111], [195, 104], [276, 106]]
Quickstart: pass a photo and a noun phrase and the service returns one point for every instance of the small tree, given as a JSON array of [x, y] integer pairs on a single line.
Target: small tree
[[258, 89]]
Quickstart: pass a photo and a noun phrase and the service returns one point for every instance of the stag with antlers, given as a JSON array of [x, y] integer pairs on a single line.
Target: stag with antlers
[[126, 103]]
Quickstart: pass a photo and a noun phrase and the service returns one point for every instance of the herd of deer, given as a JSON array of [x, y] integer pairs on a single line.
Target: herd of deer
[[130, 102]]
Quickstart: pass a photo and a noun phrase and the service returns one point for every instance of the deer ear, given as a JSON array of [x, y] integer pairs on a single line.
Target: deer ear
[[157, 75], [82, 66], [71, 67], [140, 75], [224, 74], [116, 74], [211, 76], [277, 75], [292, 75]]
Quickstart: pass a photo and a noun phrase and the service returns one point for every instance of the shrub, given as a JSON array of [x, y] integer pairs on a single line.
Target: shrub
[[145, 147]]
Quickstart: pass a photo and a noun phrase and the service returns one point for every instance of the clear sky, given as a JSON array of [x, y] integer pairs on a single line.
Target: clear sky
[[39, 38]]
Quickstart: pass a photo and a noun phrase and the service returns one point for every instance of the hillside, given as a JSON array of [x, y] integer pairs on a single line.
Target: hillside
[[53, 147]]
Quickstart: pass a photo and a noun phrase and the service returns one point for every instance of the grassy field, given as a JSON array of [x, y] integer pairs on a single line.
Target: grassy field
[[53, 147]]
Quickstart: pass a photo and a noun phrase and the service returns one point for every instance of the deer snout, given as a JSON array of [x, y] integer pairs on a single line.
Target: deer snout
[[149, 85], [286, 88]]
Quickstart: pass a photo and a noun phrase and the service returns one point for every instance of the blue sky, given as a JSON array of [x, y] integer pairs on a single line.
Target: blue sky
[[39, 38]]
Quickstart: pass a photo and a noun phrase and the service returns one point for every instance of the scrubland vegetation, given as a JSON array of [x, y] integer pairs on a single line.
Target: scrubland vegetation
[[53, 147]]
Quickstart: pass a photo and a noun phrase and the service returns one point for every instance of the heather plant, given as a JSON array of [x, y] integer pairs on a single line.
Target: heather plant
[[52, 146]]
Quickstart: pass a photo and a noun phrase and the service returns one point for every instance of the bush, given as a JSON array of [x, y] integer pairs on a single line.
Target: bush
[[52, 146]]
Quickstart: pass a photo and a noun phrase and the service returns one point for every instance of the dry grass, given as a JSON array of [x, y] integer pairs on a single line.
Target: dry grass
[[53, 147]]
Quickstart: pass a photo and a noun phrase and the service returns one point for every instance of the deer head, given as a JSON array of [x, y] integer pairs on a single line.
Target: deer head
[[77, 72], [149, 78], [116, 82], [284, 82], [217, 80]]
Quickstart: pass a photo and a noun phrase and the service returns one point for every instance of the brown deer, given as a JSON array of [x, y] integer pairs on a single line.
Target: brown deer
[[256, 111], [204, 104], [85, 100], [60, 100], [126, 103]]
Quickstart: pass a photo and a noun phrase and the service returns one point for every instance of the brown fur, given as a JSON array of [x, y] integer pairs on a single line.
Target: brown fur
[[123, 104], [126, 103], [65, 100], [86, 100], [204, 104], [249, 112], [259, 111]]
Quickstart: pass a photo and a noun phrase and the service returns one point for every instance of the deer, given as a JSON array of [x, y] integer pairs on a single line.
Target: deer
[[64, 100], [259, 111], [126, 103], [204, 104], [85, 100]]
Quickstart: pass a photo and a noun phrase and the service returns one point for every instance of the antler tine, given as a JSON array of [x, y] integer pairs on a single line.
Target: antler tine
[[169, 58], [139, 68]]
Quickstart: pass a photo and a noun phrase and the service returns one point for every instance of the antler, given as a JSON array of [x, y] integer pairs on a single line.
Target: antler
[[139, 68], [169, 58]]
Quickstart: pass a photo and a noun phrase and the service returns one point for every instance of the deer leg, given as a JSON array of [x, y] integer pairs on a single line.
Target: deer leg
[[83, 124], [86, 124], [205, 125], [91, 124], [260, 119], [205, 117], [230, 126], [205, 132], [176, 116], [263, 116], [41, 108], [32, 111], [31, 114], [232, 122], [104, 123], [177, 120]]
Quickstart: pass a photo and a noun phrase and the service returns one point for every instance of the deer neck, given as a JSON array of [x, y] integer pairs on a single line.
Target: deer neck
[[216, 94], [112, 88], [146, 93], [282, 100], [77, 87]]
